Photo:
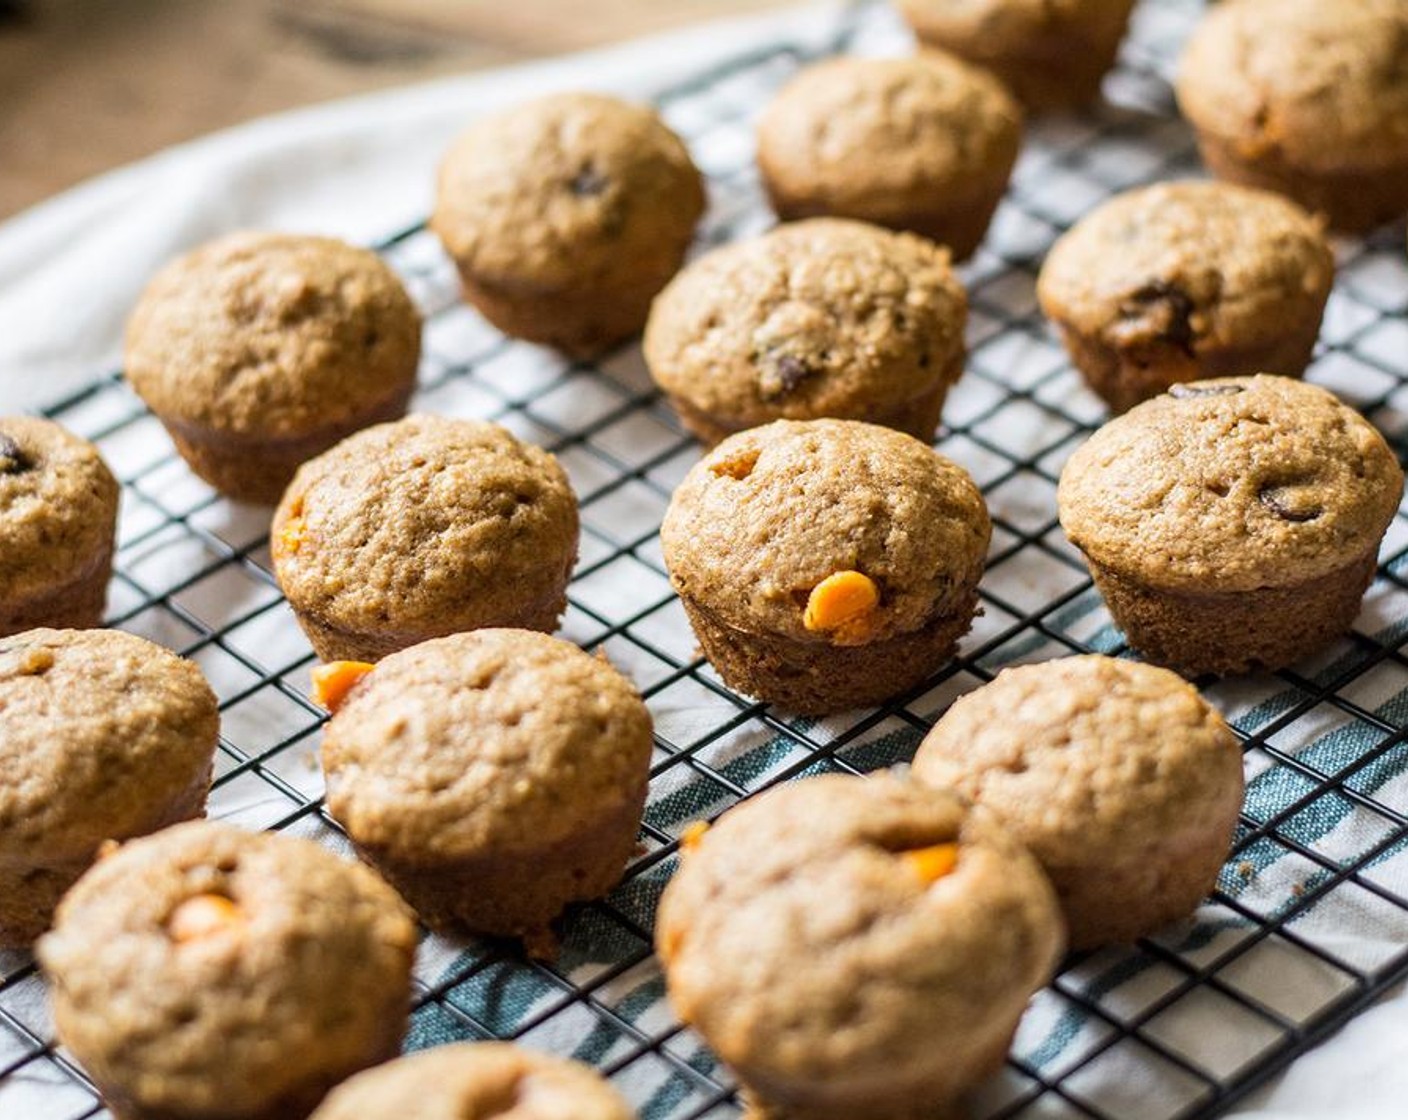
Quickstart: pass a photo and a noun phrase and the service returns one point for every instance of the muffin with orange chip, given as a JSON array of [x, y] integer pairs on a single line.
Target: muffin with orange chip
[[864, 967], [826, 564]]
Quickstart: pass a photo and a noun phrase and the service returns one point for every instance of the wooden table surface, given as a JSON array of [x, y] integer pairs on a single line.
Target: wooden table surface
[[87, 85]]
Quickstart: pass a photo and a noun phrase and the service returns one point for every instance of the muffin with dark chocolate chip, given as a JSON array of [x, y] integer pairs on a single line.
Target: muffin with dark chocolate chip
[[58, 524], [422, 528], [492, 777], [1232, 524], [565, 216], [1182, 281], [103, 735], [206, 973], [1306, 98], [1118, 777], [924, 143], [826, 564], [875, 966], [258, 351], [1051, 53], [476, 1081], [817, 318]]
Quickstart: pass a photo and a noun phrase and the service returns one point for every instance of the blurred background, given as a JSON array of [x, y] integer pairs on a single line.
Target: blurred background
[[88, 85]]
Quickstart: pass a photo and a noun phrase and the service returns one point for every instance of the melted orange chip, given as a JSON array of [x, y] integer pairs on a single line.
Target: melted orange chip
[[739, 467], [205, 915], [843, 603], [691, 834], [290, 538], [933, 863], [333, 681]]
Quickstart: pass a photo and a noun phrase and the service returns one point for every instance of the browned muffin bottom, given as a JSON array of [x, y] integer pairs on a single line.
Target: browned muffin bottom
[[1232, 524], [826, 564], [924, 143], [1052, 54], [422, 528], [1118, 777], [258, 351], [206, 973], [476, 1081], [872, 965], [565, 215], [103, 735], [1306, 98], [493, 777], [58, 523], [816, 318]]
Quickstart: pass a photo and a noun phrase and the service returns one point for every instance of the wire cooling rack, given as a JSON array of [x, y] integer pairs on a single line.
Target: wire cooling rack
[[1310, 921]]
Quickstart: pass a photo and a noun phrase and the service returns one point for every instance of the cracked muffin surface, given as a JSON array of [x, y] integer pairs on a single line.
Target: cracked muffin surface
[[855, 967], [210, 972], [1118, 777], [816, 318]]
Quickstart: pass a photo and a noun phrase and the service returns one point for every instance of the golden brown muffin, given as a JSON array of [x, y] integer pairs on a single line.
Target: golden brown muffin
[[492, 777], [58, 524], [924, 144], [1232, 524], [260, 350], [1051, 53], [1182, 281], [565, 216], [206, 973], [826, 564], [816, 318], [1118, 777], [857, 947], [422, 528], [1307, 98], [476, 1081], [103, 736]]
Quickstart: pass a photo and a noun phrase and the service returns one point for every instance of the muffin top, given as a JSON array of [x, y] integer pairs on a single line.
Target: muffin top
[[423, 523], [58, 506], [272, 335], [842, 953], [1084, 756], [772, 512], [879, 135], [100, 733], [825, 317], [1231, 484], [1198, 265], [484, 742], [476, 1081], [224, 968], [1320, 85], [1010, 22], [564, 191]]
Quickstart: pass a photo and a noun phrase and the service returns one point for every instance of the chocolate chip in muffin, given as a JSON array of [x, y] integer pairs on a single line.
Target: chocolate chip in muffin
[[783, 376], [589, 182], [1158, 310], [1290, 503], [13, 458]]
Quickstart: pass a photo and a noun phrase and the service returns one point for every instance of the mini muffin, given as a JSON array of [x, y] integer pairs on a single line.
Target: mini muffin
[[1118, 777], [1306, 98], [492, 777], [58, 522], [566, 215], [924, 143], [206, 973], [422, 528], [260, 350], [826, 564], [103, 735], [1232, 524], [1051, 53], [818, 318], [1182, 281], [857, 969], [476, 1081]]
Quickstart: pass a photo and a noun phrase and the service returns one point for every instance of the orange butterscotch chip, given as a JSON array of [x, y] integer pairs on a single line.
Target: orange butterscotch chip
[[738, 467], [843, 604], [691, 834], [290, 538], [933, 863], [333, 681], [205, 915]]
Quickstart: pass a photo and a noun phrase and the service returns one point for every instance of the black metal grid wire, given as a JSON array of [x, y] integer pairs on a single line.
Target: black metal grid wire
[[1117, 1034]]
